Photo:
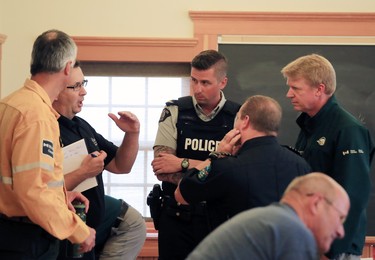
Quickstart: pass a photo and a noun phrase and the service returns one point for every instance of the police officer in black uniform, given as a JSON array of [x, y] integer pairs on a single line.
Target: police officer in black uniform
[[189, 129], [250, 168]]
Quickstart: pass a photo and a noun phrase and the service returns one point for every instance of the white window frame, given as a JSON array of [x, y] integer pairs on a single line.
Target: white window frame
[[111, 181]]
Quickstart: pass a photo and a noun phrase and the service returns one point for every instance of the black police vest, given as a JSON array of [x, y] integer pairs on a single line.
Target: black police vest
[[197, 138]]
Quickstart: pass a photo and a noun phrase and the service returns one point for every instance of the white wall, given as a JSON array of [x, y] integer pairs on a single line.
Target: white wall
[[23, 21]]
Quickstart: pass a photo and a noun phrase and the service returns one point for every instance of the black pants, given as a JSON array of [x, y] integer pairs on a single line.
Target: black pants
[[21, 241], [179, 235]]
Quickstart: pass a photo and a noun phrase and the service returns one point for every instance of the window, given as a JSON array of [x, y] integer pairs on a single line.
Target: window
[[144, 96]]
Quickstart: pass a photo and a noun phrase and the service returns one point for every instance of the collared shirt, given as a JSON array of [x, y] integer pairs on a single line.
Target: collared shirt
[[272, 232], [167, 130], [31, 178], [213, 113]]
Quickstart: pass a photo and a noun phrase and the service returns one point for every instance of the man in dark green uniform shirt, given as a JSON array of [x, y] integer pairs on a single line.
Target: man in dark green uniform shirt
[[333, 142]]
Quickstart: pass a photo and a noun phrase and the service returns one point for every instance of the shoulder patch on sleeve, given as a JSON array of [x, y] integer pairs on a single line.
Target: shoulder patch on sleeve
[[47, 148], [164, 114]]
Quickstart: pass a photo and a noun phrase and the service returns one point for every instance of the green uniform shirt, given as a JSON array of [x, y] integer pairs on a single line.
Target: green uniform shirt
[[336, 143]]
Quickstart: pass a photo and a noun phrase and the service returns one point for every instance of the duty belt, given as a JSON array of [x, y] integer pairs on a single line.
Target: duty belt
[[121, 216], [16, 219], [183, 211]]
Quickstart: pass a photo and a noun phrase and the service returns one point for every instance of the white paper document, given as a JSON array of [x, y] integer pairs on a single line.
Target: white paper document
[[73, 157]]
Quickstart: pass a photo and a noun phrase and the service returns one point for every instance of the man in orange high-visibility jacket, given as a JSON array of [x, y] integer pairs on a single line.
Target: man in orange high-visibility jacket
[[34, 211]]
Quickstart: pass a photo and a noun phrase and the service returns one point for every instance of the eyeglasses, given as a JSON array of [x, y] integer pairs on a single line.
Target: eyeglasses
[[78, 85], [330, 203]]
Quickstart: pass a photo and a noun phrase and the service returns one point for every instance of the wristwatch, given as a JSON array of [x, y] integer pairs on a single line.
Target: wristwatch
[[185, 164]]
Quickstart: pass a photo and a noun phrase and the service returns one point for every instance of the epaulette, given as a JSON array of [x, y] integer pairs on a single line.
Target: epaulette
[[182, 102], [172, 102], [217, 155], [293, 149]]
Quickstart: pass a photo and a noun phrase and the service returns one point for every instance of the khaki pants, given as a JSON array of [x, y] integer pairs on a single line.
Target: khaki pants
[[126, 241]]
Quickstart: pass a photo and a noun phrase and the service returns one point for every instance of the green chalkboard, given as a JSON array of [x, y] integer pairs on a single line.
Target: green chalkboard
[[255, 69]]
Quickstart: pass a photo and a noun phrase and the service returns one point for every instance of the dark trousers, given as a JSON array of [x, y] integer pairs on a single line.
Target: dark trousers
[[64, 252], [179, 235], [113, 208], [21, 241]]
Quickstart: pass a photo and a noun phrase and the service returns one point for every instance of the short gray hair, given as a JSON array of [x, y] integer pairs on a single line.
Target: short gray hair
[[51, 51]]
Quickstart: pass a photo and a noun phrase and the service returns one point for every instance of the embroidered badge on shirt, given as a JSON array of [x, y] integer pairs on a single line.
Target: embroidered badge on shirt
[[47, 148], [93, 140], [352, 151], [202, 174], [164, 114], [321, 141]]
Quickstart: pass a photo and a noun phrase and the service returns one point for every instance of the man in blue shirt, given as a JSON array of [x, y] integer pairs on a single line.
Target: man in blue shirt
[[302, 225]]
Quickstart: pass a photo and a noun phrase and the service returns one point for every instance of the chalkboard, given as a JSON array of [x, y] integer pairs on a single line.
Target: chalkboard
[[255, 69]]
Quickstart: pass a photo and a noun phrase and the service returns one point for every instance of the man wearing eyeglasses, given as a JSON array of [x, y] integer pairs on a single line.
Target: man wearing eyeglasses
[[303, 225], [35, 209], [78, 85], [121, 230]]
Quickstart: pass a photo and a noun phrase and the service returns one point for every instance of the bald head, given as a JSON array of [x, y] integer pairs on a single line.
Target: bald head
[[317, 182], [322, 204]]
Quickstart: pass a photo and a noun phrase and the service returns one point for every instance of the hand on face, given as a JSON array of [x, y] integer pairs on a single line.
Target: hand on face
[[231, 142]]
